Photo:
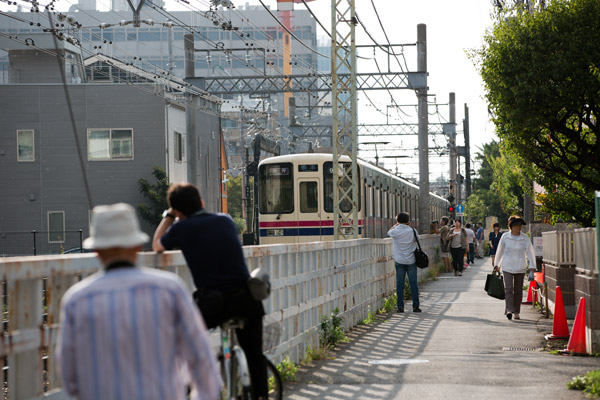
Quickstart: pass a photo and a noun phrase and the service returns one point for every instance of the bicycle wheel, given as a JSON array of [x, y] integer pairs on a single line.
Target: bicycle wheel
[[274, 379]]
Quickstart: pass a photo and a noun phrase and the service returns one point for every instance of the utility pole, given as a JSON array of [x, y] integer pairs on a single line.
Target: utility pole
[[424, 205], [190, 110], [170, 42], [245, 185], [467, 153], [452, 156]]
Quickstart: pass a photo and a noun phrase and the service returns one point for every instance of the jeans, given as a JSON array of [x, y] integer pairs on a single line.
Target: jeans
[[480, 248], [401, 271], [471, 254], [458, 254], [513, 292]]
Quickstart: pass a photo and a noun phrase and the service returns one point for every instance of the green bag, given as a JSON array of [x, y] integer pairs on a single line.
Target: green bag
[[494, 285]]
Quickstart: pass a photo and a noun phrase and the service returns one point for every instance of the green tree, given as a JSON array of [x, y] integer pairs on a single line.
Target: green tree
[[156, 193], [486, 200], [234, 196], [539, 73]]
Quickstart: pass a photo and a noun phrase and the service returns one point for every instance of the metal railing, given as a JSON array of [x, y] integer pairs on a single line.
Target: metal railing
[[586, 251], [31, 243], [308, 281], [558, 247]]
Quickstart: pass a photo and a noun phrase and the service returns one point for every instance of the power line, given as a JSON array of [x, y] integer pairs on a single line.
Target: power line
[[290, 32]]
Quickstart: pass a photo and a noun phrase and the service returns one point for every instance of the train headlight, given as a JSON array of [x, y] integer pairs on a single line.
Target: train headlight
[[275, 232], [346, 230]]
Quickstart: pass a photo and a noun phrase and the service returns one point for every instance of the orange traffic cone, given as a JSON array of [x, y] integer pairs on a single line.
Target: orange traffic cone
[[560, 327], [529, 300], [577, 343]]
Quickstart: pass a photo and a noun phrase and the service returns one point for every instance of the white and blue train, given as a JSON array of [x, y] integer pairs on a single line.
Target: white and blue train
[[296, 199]]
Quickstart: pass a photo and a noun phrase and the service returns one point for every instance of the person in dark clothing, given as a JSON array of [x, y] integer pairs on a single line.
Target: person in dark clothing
[[212, 250], [494, 239]]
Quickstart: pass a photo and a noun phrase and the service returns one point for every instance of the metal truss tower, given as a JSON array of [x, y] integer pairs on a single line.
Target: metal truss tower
[[344, 130]]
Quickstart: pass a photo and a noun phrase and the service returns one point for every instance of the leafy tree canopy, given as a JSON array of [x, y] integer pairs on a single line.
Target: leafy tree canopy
[[540, 74], [156, 193], [487, 199], [234, 196]]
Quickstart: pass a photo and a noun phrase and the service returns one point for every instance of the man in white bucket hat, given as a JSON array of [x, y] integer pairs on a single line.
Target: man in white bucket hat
[[126, 331]]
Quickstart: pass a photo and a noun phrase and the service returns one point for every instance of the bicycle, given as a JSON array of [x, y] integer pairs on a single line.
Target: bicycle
[[234, 367]]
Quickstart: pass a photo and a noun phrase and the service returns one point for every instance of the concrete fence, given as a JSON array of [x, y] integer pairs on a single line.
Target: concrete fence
[[308, 282], [559, 262], [586, 283], [570, 259]]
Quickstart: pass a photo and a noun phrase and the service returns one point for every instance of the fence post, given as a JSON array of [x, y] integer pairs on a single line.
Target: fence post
[[24, 313], [81, 241], [597, 202], [34, 243]]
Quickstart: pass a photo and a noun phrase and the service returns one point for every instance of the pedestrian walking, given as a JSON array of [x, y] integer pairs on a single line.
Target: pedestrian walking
[[458, 246], [126, 331], [494, 239], [472, 244], [213, 252], [434, 228], [480, 236], [445, 243], [405, 244], [514, 249]]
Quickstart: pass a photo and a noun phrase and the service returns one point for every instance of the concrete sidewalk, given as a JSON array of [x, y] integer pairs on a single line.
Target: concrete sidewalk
[[460, 347]]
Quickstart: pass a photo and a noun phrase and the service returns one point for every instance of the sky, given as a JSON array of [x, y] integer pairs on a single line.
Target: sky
[[453, 27]]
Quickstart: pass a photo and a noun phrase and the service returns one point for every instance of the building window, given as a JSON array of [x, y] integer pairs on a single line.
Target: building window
[[56, 226], [25, 149], [110, 144], [179, 147]]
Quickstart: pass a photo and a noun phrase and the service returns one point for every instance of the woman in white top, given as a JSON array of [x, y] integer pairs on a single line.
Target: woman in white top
[[513, 250], [458, 246]]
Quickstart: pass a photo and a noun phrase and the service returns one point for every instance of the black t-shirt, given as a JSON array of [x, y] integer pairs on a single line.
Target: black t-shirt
[[212, 250]]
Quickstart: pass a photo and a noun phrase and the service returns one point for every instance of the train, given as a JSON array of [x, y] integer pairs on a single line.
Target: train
[[295, 199]]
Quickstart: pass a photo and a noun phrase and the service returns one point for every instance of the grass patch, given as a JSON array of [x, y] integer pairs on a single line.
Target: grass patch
[[319, 353], [589, 383], [332, 332], [287, 370]]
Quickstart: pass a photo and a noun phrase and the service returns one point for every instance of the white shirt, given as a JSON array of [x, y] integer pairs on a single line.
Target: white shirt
[[126, 333], [404, 243], [470, 235], [512, 251]]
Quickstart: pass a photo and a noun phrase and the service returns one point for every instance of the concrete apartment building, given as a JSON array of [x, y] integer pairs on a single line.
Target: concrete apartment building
[[124, 130], [253, 46]]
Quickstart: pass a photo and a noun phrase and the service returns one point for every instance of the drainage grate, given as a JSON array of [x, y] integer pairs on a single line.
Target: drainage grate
[[521, 349]]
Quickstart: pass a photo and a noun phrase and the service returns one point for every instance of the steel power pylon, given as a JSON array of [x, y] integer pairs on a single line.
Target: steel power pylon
[[343, 93]]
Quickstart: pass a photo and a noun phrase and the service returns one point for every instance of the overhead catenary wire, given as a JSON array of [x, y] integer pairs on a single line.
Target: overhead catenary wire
[[291, 33], [72, 118]]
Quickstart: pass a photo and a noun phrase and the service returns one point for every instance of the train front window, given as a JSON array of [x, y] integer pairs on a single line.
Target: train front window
[[346, 205], [276, 188]]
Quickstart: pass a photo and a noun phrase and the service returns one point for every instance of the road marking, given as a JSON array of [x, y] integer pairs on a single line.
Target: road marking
[[397, 361]]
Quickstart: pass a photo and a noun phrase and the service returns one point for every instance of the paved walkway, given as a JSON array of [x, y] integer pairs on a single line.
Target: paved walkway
[[460, 347]]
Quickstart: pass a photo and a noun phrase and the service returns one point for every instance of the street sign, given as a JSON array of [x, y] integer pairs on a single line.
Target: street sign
[[460, 210]]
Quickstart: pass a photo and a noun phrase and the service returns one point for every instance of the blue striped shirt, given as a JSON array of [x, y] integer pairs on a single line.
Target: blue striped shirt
[[128, 333]]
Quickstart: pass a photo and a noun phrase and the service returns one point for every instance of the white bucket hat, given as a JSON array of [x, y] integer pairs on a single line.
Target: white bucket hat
[[114, 226]]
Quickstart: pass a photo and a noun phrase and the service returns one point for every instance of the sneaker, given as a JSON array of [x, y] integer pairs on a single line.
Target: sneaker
[[416, 309], [400, 310], [455, 273], [460, 274], [517, 316], [509, 316]]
